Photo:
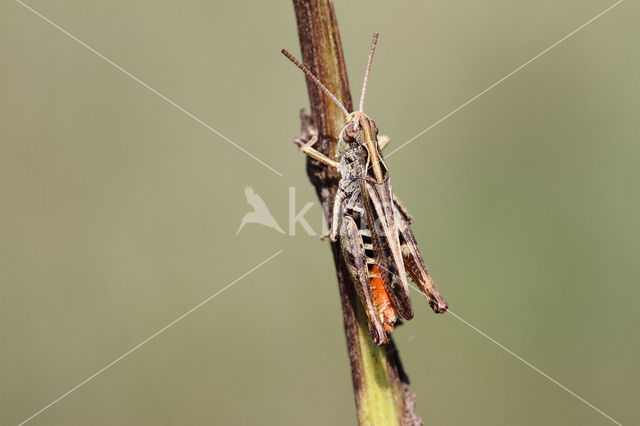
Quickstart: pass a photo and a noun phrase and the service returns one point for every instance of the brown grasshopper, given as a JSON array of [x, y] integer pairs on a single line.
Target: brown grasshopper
[[375, 239]]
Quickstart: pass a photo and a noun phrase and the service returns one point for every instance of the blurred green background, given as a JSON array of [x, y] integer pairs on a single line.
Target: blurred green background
[[119, 212]]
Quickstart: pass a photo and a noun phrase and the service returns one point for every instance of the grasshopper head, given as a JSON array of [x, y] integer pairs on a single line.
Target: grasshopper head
[[360, 130]]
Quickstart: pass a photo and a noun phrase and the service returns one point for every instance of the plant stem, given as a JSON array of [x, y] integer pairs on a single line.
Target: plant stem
[[380, 384]]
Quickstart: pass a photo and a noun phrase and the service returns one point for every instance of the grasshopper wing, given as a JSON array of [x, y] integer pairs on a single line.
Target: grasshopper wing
[[354, 254], [378, 202], [414, 264]]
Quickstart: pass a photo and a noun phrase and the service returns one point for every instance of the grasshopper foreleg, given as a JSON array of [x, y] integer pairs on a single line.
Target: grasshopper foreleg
[[308, 149]]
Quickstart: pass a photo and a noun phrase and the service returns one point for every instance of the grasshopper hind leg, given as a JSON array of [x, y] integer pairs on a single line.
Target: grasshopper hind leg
[[417, 270], [353, 251]]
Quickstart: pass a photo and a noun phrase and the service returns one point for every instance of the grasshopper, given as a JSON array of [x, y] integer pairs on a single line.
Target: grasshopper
[[378, 246]]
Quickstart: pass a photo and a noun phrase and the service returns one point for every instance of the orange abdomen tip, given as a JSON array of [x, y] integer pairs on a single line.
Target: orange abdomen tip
[[385, 309]]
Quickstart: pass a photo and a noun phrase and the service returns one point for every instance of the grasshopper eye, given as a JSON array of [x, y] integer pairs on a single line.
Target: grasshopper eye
[[350, 133]]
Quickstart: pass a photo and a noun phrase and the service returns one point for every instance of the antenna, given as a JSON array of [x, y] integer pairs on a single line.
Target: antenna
[[316, 82], [366, 74]]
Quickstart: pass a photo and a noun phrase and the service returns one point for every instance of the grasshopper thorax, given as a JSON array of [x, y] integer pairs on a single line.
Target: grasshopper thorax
[[362, 132]]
